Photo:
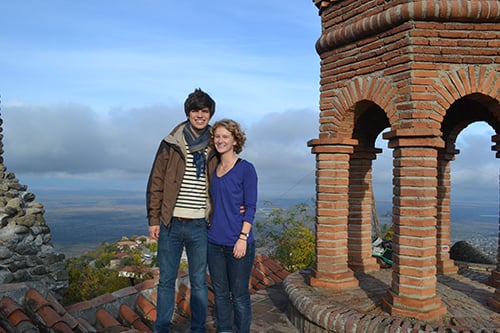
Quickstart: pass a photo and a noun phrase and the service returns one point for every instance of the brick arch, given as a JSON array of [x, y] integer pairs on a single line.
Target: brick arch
[[376, 90], [454, 85], [467, 110]]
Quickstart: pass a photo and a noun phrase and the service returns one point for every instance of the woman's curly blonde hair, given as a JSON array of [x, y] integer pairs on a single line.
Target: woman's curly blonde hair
[[235, 129]]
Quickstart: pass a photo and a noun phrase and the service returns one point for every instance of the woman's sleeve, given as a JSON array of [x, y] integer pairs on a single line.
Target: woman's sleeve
[[250, 182]]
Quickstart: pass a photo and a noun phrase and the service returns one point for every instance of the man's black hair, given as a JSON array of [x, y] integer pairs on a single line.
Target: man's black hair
[[197, 100]]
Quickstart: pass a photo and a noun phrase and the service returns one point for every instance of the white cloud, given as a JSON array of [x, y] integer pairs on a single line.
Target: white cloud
[[64, 141]]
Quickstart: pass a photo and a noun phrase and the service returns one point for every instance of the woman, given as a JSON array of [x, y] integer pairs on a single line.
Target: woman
[[231, 248]]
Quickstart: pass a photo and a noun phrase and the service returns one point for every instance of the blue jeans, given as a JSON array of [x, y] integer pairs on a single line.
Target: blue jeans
[[230, 280], [193, 236]]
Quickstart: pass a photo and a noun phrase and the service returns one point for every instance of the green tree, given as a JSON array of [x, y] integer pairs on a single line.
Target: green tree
[[90, 275], [103, 260], [289, 236]]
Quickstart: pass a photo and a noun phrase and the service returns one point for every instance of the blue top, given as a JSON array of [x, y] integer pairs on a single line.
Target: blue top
[[238, 187]]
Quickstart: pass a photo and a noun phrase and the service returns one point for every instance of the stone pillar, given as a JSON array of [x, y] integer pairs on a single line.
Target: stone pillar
[[360, 211], [332, 182], [1, 140], [494, 278], [26, 251], [444, 264], [414, 281]]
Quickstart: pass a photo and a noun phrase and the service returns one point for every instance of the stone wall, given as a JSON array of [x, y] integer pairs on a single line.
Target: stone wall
[[26, 251]]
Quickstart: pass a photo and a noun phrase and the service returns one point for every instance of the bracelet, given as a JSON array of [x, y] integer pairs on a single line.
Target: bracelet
[[243, 239]]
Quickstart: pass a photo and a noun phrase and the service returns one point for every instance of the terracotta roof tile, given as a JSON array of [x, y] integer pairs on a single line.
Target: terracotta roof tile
[[45, 313], [146, 308], [133, 319], [130, 309], [108, 322], [211, 296], [61, 311], [154, 298], [103, 299], [25, 327], [14, 315], [79, 307], [148, 284], [84, 326], [124, 292], [61, 327], [35, 300]]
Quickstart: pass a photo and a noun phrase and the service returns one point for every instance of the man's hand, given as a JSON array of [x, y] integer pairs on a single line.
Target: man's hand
[[154, 232]]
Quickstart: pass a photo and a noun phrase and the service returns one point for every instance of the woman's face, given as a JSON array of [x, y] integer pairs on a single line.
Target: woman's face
[[223, 140]]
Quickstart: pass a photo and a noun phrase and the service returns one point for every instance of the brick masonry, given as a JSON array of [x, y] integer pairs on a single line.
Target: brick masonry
[[419, 72]]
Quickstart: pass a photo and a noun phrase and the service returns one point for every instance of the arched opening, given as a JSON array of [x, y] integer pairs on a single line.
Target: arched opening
[[474, 190], [369, 121], [382, 194], [468, 180]]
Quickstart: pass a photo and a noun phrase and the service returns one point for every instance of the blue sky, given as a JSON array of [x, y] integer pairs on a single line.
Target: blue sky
[[89, 88]]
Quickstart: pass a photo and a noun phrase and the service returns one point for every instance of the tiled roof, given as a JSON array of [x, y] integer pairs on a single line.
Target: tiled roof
[[132, 309]]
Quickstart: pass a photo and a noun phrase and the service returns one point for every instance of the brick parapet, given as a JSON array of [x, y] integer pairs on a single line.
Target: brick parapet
[[312, 312]]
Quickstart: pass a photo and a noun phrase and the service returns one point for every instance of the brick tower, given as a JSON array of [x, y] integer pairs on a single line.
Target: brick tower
[[418, 71]]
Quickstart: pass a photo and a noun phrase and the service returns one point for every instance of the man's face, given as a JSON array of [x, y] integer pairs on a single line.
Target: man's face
[[199, 118]]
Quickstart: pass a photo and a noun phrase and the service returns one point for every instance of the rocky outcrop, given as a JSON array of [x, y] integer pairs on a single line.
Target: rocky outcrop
[[26, 251], [463, 251]]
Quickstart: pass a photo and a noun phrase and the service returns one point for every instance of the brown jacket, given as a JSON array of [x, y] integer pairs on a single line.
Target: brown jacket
[[166, 177]]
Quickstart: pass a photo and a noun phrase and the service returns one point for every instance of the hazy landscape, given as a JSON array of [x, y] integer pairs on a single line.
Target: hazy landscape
[[81, 220]]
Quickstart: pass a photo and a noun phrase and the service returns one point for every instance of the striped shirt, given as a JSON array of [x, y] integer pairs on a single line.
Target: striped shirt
[[192, 198]]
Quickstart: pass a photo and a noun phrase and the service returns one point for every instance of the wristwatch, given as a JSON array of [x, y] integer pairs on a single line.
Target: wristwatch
[[245, 234]]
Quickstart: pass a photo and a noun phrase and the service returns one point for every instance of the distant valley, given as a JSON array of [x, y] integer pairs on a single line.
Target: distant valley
[[82, 220]]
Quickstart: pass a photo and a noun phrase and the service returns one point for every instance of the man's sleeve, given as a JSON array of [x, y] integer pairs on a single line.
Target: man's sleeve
[[154, 191]]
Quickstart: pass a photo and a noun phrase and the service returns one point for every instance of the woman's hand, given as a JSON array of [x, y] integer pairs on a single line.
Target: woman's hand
[[240, 248]]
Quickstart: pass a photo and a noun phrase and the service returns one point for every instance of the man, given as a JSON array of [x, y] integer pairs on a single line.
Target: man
[[178, 206]]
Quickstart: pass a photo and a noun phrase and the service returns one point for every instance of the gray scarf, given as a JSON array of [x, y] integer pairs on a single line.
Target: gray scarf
[[197, 145]]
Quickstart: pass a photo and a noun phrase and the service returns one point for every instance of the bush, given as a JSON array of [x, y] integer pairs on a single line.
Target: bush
[[289, 236], [87, 282], [90, 275]]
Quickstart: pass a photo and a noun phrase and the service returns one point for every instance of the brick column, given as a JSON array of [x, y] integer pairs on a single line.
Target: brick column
[[444, 264], [332, 181], [360, 210], [494, 278], [414, 281]]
